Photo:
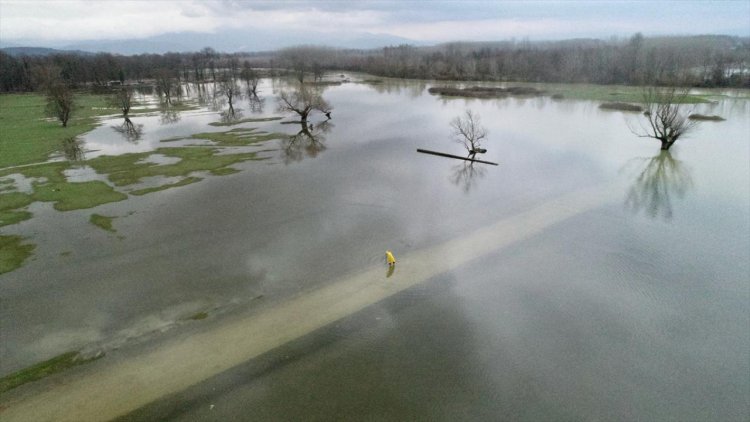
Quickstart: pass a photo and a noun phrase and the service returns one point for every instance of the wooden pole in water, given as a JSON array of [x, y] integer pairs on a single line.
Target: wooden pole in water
[[442, 154]]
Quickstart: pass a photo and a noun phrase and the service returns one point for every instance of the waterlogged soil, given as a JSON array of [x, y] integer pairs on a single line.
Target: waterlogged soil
[[588, 276]]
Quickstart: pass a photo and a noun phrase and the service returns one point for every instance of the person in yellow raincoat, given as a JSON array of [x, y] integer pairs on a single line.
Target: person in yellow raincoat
[[389, 258]]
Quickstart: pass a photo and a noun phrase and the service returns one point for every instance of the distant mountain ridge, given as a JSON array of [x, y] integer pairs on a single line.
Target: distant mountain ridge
[[239, 41], [229, 41], [39, 51]]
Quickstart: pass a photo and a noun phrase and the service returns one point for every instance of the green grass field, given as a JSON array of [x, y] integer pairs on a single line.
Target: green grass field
[[28, 136]]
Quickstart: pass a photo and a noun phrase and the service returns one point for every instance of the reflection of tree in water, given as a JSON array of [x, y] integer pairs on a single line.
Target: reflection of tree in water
[[230, 115], [256, 102], [73, 149], [661, 177], [130, 131], [169, 115], [466, 175], [309, 141], [203, 95]]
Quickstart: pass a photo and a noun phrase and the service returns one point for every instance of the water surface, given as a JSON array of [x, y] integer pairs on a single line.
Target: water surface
[[634, 309]]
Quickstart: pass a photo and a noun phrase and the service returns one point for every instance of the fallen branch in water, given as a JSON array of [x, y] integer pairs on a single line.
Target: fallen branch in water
[[442, 154]]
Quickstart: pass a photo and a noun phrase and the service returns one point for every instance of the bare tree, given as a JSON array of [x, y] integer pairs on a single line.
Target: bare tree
[[664, 119], [227, 86], [60, 101], [251, 78], [469, 132], [122, 99], [165, 84], [303, 101]]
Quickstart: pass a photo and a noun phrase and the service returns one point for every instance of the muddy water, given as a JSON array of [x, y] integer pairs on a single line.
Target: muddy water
[[634, 308]]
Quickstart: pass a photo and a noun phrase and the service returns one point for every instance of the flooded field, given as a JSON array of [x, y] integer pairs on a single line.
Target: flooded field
[[232, 266]]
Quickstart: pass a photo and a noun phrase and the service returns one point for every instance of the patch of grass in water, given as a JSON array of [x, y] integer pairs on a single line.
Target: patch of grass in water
[[123, 170], [174, 139], [13, 252], [238, 137], [12, 208], [246, 120], [183, 182], [13, 217], [621, 107], [69, 196], [44, 369], [611, 93], [224, 171], [706, 118], [50, 185], [102, 221], [12, 200], [199, 316]]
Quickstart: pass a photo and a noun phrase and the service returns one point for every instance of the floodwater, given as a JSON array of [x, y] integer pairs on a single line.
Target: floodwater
[[589, 276]]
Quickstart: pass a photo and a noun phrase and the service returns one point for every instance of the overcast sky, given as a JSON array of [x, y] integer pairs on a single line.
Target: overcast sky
[[59, 21]]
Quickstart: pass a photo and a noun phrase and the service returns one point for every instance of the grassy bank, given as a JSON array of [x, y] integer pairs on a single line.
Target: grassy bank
[[28, 136], [610, 93], [43, 369]]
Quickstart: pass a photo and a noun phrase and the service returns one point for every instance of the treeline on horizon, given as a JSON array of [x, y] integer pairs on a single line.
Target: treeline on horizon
[[697, 61]]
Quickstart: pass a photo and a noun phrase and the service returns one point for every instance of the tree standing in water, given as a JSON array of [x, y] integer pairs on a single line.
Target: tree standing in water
[[468, 131], [303, 101], [123, 99], [664, 119]]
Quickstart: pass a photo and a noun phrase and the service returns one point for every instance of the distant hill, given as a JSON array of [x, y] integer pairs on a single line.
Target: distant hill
[[38, 51], [236, 40]]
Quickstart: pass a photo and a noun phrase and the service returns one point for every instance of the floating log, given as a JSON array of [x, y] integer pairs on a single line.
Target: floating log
[[442, 154]]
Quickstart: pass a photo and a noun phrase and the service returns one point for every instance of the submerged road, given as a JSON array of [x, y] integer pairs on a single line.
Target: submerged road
[[122, 386]]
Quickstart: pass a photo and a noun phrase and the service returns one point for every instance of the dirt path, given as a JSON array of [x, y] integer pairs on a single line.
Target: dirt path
[[123, 386]]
